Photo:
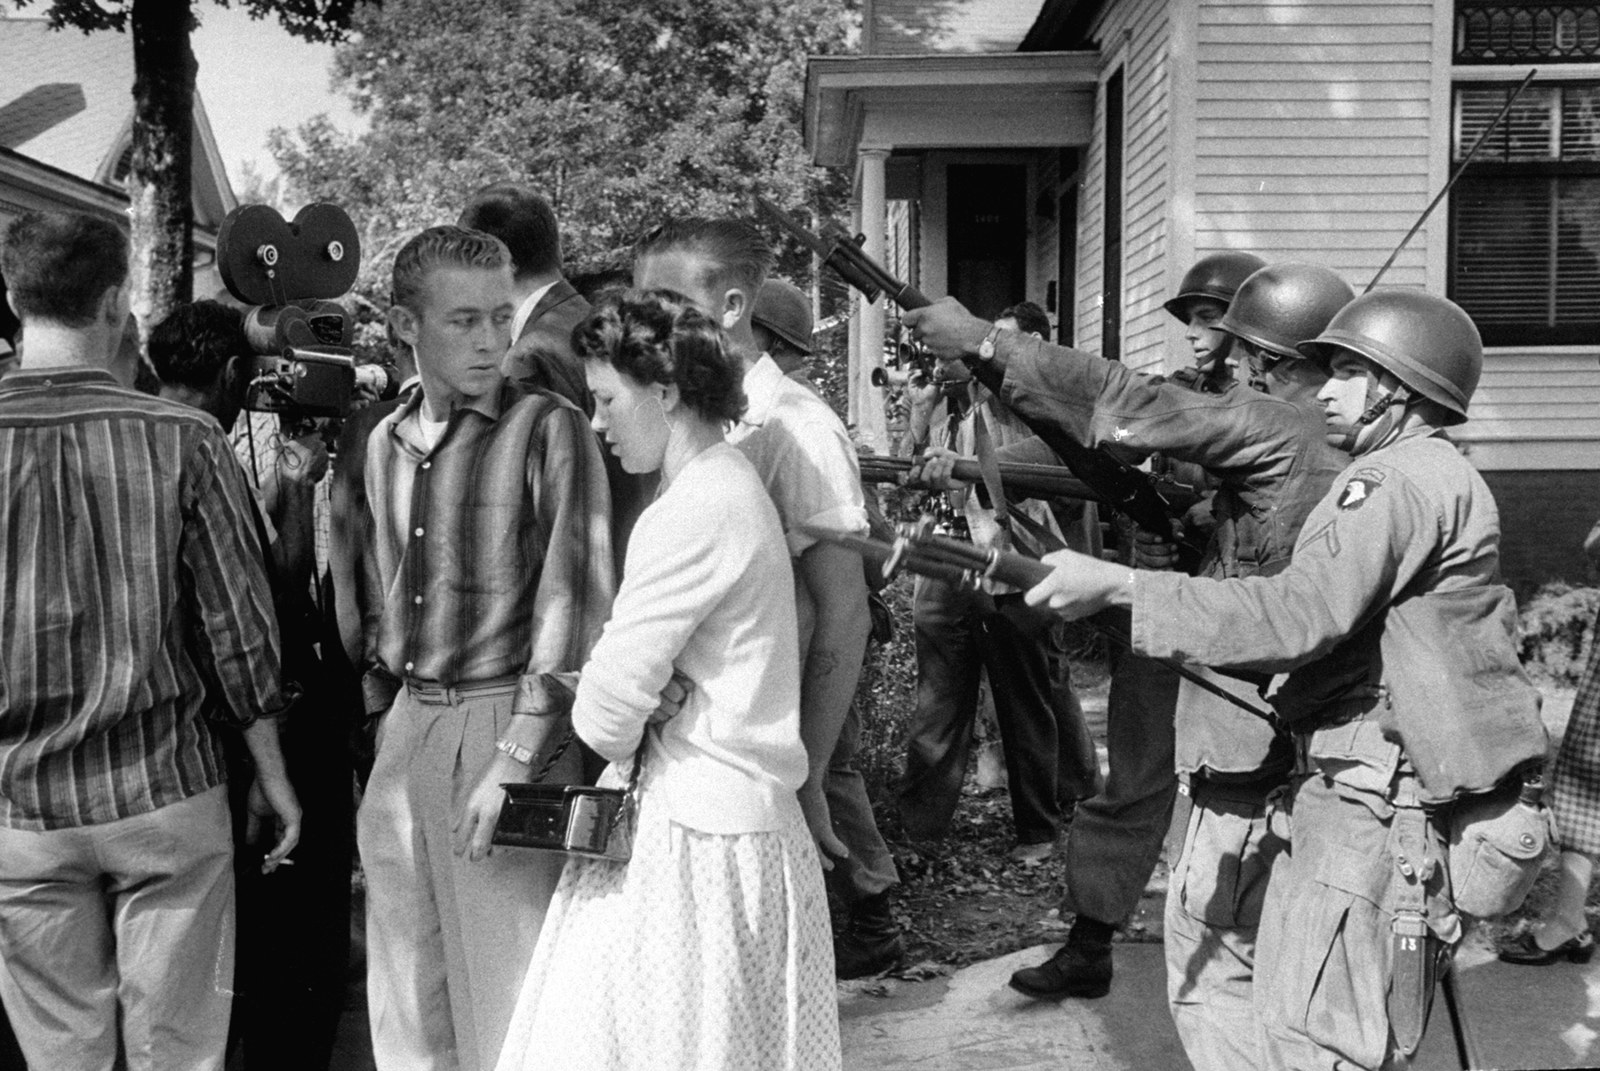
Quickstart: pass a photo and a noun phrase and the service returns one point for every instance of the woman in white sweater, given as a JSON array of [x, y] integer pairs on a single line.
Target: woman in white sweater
[[710, 948]]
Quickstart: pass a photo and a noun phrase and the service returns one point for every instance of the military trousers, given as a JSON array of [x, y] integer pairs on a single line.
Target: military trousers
[[1117, 834], [1214, 902], [1325, 959]]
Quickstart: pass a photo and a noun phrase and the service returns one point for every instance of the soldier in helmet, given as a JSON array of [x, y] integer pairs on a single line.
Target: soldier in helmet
[[1401, 685], [1267, 452], [1200, 303]]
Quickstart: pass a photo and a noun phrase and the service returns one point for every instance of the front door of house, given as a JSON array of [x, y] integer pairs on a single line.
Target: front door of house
[[988, 236]]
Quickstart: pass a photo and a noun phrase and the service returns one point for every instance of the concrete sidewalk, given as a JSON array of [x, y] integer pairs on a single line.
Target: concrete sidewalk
[[1521, 1017]]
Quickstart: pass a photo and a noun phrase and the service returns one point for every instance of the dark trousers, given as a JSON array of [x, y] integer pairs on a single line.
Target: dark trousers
[[294, 924], [1050, 758], [1117, 834]]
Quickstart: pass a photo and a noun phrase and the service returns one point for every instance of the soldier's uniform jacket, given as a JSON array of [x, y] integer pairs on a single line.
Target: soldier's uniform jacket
[[1390, 622], [1272, 465]]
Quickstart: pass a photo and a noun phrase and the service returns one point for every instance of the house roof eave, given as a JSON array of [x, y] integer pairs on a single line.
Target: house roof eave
[[840, 89]]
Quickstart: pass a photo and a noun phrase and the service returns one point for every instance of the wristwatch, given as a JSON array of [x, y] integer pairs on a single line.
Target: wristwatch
[[517, 752], [986, 347]]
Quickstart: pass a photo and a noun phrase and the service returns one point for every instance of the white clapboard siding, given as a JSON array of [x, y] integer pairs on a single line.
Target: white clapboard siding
[[1536, 408], [1146, 28], [1313, 128]]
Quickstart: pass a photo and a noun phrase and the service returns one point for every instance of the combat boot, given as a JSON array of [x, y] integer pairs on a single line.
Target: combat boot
[[1079, 968], [871, 943]]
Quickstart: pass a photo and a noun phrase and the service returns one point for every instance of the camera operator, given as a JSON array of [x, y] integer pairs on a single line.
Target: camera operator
[[294, 940], [190, 350]]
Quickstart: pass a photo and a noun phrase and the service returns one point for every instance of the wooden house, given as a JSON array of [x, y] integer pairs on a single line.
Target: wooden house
[[1083, 153]]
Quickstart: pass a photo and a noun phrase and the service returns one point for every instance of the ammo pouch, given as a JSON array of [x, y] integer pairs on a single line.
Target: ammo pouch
[[1498, 841], [1459, 703]]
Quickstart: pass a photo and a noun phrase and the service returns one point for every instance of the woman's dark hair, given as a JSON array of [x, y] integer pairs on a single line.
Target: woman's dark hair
[[658, 336]]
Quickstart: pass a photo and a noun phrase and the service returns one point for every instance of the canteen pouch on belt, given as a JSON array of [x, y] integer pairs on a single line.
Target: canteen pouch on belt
[[1498, 842], [1459, 703]]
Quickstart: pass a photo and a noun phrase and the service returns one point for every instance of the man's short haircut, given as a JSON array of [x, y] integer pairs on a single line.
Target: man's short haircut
[[521, 219], [191, 347], [1031, 319], [442, 247], [659, 336], [58, 265], [739, 254]]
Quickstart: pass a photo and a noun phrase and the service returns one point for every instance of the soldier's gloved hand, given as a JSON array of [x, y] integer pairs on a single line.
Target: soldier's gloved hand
[[1152, 550], [935, 471], [946, 328]]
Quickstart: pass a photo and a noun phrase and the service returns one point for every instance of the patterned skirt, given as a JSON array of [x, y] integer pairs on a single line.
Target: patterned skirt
[[1575, 776], [702, 953]]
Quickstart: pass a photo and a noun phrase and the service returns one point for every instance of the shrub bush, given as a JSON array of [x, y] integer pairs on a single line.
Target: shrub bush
[[1556, 629]]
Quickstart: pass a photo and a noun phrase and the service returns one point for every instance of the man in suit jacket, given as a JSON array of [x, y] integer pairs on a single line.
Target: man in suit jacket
[[541, 357], [548, 307]]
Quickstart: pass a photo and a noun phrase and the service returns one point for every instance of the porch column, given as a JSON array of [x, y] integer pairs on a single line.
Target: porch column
[[853, 350], [871, 422]]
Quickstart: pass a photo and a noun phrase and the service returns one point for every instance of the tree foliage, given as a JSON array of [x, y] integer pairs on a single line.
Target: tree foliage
[[621, 113], [314, 20], [160, 176]]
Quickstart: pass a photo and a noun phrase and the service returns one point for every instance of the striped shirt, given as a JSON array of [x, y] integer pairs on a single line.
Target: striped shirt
[[133, 586], [503, 566]]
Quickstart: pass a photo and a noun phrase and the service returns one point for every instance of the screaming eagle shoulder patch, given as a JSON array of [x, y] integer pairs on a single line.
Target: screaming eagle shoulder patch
[[1360, 488]]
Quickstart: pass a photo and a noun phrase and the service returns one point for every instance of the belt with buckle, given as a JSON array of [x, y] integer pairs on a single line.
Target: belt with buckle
[[433, 693]]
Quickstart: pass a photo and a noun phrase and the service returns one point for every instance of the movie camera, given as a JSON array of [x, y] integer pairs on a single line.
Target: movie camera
[[301, 365]]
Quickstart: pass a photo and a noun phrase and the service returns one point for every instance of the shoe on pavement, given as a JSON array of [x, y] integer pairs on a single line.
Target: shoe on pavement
[[1524, 950], [1076, 970], [1032, 854]]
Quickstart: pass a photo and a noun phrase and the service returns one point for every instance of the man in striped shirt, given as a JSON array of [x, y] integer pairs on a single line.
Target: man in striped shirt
[[135, 602], [490, 565]]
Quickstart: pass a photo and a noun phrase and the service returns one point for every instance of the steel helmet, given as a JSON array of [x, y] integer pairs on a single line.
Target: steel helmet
[[1281, 306], [785, 310], [1216, 277], [1430, 344]]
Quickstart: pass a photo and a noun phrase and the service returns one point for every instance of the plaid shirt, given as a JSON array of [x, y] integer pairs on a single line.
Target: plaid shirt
[[133, 585], [503, 567]]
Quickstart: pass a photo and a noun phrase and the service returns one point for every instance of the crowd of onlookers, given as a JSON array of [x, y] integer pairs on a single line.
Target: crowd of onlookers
[[577, 541], [609, 542]]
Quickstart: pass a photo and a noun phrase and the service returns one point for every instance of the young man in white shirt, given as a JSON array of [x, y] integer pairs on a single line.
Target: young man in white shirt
[[806, 460]]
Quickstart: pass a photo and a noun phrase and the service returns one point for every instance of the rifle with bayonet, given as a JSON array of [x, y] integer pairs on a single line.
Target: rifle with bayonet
[[1113, 481], [1019, 480], [918, 549]]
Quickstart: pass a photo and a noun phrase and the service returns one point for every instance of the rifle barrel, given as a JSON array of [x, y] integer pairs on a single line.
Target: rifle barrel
[[1023, 479]]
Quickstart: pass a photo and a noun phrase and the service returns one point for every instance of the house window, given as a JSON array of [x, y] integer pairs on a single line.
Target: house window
[[1492, 31], [1525, 216]]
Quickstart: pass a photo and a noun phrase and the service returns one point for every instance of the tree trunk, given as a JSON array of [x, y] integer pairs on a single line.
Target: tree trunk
[[162, 207]]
